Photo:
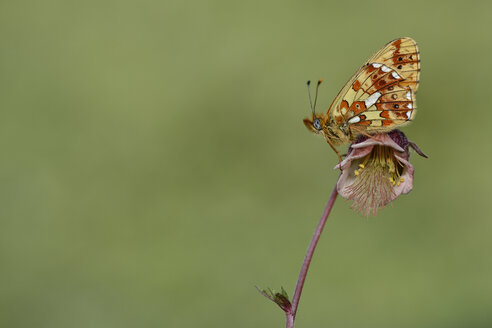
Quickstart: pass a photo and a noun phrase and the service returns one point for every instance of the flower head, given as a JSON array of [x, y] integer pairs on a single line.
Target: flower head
[[376, 171]]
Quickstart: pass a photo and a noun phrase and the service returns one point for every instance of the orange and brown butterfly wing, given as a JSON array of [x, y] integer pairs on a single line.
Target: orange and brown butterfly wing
[[381, 95], [403, 55], [381, 102]]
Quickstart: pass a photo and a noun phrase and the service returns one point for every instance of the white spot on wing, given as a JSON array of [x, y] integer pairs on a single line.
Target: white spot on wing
[[376, 65], [371, 100], [409, 106], [354, 119], [385, 69], [409, 113], [409, 95], [395, 75]]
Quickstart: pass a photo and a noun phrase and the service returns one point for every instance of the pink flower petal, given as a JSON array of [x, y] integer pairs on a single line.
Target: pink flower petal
[[407, 185], [379, 139], [354, 154]]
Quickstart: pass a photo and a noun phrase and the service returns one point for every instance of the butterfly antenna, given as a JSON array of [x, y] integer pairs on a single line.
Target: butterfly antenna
[[309, 95], [316, 96]]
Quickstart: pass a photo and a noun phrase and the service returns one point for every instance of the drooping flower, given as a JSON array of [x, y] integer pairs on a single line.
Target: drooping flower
[[376, 171]]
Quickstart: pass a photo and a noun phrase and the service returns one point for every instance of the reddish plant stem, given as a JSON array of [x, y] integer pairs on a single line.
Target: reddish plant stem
[[291, 315], [289, 320]]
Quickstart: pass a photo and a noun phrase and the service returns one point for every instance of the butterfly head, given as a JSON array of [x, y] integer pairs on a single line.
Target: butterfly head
[[332, 132], [316, 124], [320, 123]]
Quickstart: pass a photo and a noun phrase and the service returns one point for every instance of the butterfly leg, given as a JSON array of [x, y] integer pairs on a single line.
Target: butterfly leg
[[360, 131], [336, 151]]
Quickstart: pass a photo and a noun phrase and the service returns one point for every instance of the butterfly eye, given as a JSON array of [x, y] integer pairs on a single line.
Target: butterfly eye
[[317, 124]]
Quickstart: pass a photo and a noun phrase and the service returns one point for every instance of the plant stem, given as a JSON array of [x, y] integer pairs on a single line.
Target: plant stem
[[289, 320], [291, 315]]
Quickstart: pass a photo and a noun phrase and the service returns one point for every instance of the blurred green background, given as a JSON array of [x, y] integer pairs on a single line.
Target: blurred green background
[[155, 166]]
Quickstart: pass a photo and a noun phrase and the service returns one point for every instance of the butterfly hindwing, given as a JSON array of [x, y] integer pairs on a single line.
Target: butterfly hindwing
[[381, 95], [402, 55], [383, 100]]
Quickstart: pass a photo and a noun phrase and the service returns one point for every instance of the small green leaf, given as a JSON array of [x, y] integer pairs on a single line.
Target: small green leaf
[[280, 298]]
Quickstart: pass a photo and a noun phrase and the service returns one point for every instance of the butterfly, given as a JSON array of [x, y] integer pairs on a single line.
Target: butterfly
[[379, 97]]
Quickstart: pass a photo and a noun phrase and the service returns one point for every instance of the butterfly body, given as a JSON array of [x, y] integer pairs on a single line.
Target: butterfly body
[[379, 97]]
